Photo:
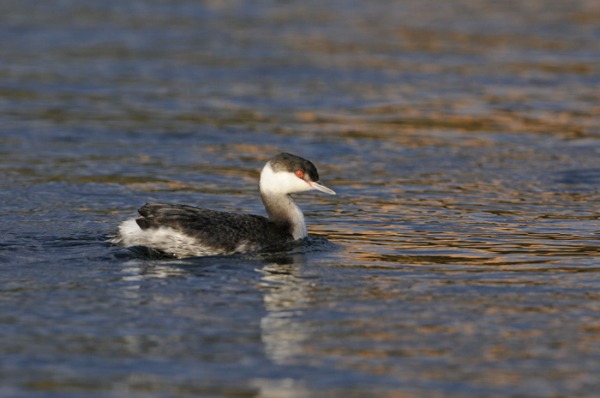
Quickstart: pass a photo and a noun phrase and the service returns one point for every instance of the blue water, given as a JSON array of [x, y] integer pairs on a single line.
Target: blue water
[[460, 258]]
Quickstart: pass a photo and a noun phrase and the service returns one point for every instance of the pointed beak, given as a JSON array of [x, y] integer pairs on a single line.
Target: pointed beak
[[320, 187]]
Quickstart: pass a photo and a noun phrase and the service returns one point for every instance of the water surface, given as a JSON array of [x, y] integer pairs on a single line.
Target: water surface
[[459, 258]]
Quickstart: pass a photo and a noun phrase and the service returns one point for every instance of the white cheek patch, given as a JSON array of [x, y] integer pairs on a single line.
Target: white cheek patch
[[282, 182]]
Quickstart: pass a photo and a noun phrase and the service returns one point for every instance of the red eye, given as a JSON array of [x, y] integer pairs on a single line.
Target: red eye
[[300, 174]]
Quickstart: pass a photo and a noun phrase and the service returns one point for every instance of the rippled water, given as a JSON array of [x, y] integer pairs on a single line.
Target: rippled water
[[459, 258]]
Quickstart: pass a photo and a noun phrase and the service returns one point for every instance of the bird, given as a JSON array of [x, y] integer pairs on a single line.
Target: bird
[[180, 231]]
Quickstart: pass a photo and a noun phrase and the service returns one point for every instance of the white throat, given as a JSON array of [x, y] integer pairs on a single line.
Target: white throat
[[275, 189]]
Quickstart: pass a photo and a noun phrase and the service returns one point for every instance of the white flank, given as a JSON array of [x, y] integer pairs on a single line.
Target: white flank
[[164, 239]]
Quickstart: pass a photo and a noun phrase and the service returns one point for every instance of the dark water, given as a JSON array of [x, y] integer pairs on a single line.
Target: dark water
[[460, 258]]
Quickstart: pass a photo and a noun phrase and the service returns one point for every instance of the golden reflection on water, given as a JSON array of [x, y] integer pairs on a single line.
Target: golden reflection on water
[[494, 245], [409, 325], [474, 223], [418, 125]]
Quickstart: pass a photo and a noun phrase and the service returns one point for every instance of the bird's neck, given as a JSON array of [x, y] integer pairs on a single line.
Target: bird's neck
[[284, 212]]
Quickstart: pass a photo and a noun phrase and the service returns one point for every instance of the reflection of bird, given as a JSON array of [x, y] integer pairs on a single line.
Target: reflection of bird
[[184, 231], [287, 294]]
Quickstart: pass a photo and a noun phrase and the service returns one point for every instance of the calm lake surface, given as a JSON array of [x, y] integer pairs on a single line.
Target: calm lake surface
[[460, 258]]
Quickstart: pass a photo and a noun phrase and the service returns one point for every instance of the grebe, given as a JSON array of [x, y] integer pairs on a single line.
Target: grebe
[[185, 231]]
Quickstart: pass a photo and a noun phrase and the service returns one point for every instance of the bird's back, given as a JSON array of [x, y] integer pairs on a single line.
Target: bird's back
[[184, 230]]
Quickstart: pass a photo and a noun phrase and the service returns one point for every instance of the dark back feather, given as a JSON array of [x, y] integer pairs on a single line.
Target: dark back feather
[[214, 228]]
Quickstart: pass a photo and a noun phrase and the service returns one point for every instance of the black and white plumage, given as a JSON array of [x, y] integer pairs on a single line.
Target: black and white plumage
[[185, 231]]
